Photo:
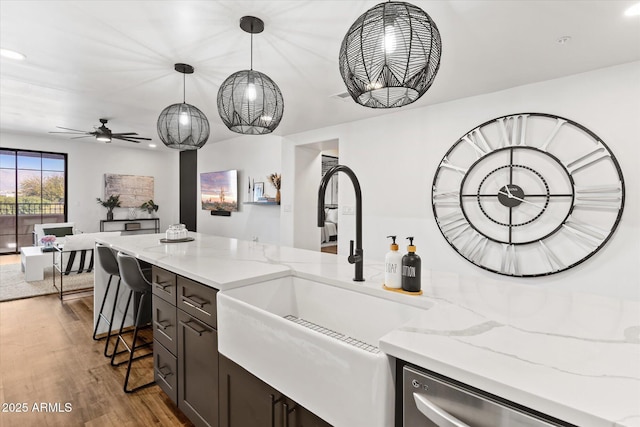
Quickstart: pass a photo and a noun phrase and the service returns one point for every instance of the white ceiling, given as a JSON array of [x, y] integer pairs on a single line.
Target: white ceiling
[[114, 59]]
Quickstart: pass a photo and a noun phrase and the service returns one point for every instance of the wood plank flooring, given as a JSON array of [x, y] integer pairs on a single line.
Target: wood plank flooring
[[47, 357]]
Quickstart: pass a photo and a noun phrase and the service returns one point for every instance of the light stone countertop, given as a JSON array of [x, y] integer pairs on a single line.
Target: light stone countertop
[[573, 356]]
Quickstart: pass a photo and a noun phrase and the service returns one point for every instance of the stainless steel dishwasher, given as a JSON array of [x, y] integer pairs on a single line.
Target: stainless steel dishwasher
[[431, 401]]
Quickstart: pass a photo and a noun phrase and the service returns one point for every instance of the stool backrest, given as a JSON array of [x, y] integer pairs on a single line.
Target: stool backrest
[[131, 274], [108, 259]]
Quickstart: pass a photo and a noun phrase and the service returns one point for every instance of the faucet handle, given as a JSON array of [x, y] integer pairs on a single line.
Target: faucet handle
[[351, 258]]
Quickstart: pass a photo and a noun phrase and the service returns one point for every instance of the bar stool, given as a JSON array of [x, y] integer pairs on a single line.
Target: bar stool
[[110, 266], [139, 283]]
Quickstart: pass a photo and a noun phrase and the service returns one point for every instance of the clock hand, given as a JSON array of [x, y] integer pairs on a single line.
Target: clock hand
[[511, 196], [508, 192]]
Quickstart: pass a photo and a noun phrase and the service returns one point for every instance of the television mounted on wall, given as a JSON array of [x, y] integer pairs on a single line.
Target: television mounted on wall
[[219, 191]]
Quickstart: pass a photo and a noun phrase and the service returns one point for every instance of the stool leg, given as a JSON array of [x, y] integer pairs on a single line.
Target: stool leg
[[133, 348], [104, 299], [113, 312], [124, 318]]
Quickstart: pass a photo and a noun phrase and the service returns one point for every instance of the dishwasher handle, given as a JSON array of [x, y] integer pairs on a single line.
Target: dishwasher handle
[[436, 414]]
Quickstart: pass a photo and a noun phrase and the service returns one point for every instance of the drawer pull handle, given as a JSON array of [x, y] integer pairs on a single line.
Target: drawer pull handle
[[435, 413], [187, 324], [161, 325], [163, 285], [287, 412], [273, 404], [193, 303], [162, 374]]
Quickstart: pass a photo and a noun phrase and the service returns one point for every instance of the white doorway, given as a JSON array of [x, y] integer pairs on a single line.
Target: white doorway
[[308, 174]]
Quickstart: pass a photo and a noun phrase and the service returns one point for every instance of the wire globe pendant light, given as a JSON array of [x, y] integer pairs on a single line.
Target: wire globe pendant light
[[390, 55], [249, 102], [183, 126]]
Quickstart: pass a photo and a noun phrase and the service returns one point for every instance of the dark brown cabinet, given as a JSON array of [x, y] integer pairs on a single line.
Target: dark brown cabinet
[[245, 400], [197, 370], [186, 345]]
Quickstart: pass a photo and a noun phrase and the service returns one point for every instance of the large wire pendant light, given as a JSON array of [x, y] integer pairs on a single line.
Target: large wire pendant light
[[249, 102], [183, 126], [390, 55]]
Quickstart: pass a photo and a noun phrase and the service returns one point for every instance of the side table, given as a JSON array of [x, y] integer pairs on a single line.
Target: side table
[[33, 261]]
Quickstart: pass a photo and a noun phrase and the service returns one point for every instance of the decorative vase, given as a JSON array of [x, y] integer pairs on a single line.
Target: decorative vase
[[110, 215], [278, 196]]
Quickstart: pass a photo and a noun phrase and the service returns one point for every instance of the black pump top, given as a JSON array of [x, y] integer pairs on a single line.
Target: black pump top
[[392, 237], [411, 248]]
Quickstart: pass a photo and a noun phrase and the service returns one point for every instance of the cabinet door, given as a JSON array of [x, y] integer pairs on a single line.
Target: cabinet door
[[197, 370], [245, 400]]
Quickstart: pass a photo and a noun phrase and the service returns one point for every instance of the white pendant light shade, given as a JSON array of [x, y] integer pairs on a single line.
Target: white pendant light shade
[[390, 55]]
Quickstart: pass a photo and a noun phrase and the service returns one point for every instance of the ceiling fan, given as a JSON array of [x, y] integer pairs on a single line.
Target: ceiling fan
[[104, 134]]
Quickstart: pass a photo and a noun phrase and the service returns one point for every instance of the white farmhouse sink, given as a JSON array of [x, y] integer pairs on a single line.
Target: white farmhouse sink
[[345, 383]]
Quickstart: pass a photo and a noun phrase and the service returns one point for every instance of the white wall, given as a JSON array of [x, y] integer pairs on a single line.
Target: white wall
[[395, 158], [88, 161], [254, 157]]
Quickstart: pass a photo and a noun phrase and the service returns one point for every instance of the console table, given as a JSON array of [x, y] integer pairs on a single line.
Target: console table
[[131, 225]]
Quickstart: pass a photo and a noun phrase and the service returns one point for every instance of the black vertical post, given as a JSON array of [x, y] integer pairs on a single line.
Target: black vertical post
[[189, 188]]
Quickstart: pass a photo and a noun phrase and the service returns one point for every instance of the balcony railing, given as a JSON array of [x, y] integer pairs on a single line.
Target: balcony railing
[[31, 208]]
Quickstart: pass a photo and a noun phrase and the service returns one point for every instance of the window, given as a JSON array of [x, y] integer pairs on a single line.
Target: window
[[33, 188]]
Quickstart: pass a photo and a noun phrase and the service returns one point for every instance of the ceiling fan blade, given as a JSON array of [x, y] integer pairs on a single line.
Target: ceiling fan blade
[[135, 137], [71, 133], [83, 131], [122, 138], [78, 137], [124, 133]]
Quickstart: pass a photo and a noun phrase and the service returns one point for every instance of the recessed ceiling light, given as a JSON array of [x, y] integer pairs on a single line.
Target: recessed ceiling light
[[152, 145], [564, 40], [633, 10], [12, 54]]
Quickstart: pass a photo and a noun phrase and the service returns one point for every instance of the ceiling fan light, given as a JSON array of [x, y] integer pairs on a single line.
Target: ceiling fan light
[[390, 55], [103, 138]]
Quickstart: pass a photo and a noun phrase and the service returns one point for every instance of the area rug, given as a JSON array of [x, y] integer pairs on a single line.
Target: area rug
[[13, 286]]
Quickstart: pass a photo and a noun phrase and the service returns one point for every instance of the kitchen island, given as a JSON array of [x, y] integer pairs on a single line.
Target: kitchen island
[[574, 357]]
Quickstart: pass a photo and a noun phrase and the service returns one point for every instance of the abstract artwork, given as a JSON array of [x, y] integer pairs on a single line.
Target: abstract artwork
[[134, 190]]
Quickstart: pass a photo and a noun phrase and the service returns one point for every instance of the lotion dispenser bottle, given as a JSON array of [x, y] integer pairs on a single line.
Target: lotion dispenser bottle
[[392, 266], [411, 269]]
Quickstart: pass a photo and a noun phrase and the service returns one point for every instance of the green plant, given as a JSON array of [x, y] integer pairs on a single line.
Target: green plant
[[112, 202], [149, 206]]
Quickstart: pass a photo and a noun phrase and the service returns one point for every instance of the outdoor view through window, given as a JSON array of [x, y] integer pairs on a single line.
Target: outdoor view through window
[[32, 191]]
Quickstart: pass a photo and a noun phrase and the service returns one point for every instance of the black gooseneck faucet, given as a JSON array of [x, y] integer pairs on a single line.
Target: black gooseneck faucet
[[355, 257]]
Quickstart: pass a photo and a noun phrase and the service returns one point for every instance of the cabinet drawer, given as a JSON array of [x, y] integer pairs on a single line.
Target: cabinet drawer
[[164, 324], [198, 300], [165, 369], [164, 284]]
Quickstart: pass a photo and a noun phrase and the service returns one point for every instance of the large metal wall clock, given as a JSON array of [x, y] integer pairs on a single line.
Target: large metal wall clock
[[528, 195]]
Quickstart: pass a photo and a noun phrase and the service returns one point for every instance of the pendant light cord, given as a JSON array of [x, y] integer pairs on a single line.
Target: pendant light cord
[[251, 48], [184, 89]]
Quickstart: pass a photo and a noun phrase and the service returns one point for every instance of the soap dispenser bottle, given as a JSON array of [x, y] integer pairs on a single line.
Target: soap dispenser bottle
[[411, 269], [392, 266]]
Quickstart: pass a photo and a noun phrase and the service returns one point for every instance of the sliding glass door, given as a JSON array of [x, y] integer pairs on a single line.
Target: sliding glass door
[[33, 187]]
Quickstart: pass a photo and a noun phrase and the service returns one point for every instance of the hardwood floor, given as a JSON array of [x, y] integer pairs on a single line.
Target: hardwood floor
[[47, 357]]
